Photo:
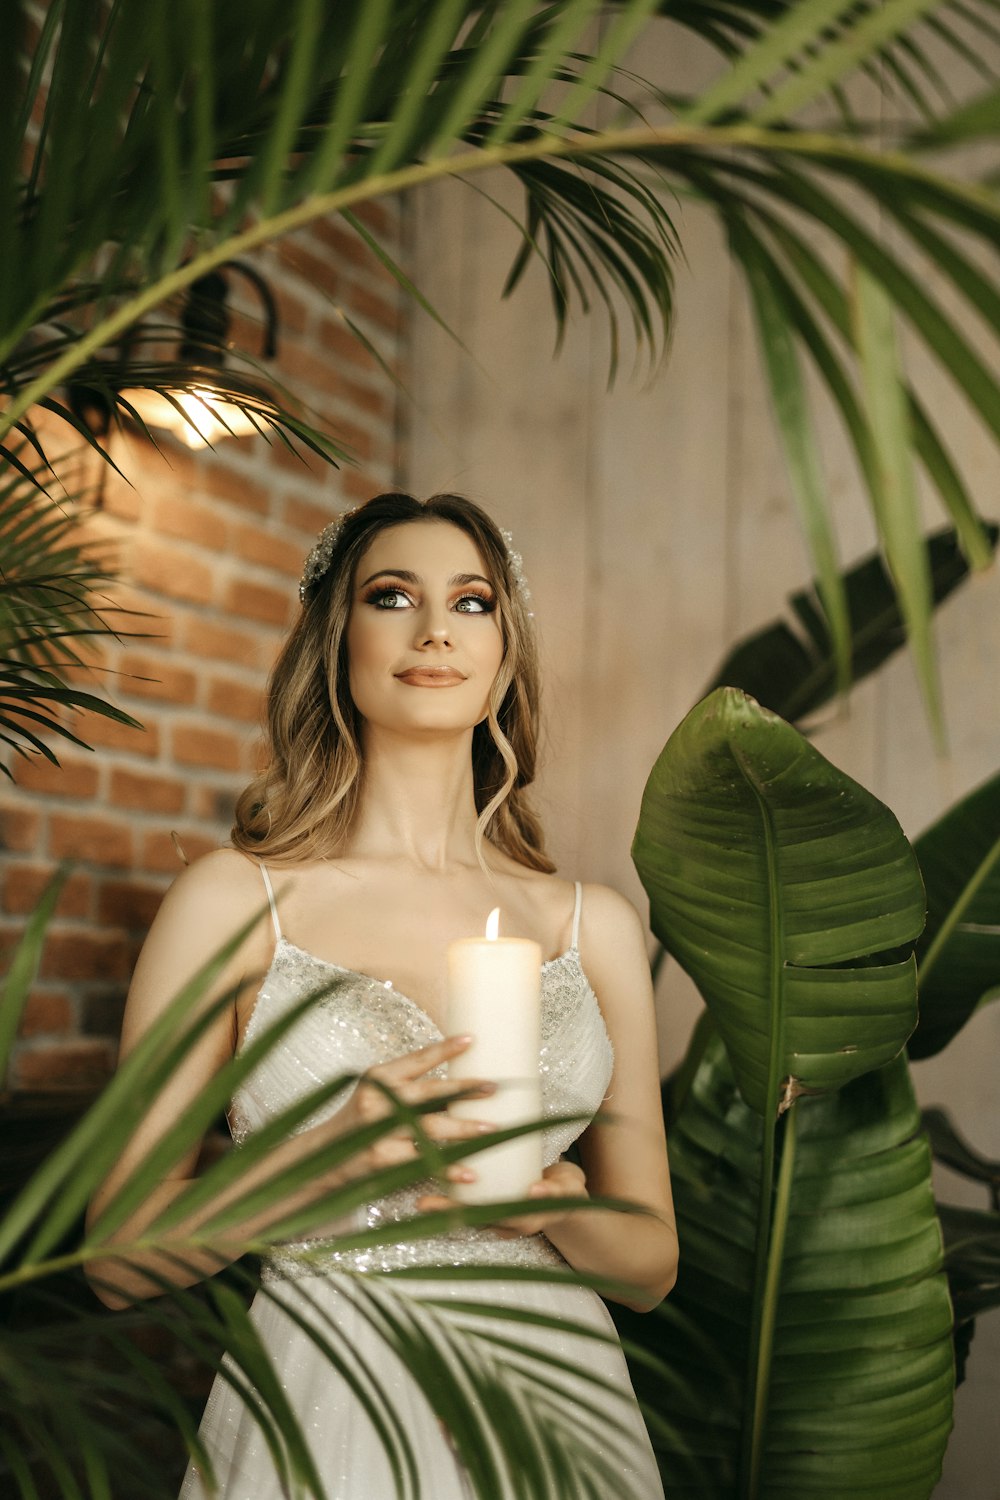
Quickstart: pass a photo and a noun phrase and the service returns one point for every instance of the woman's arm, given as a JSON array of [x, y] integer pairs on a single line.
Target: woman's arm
[[209, 902], [624, 1155]]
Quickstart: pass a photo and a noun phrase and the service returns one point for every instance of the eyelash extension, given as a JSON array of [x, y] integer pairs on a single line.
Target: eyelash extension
[[381, 590], [486, 600]]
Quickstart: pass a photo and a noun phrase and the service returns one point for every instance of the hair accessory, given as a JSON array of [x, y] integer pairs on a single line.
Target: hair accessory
[[321, 555], [319, 558], [516, 563]]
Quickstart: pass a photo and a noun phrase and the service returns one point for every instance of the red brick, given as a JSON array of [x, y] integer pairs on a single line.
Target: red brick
[[172, 571], [293, 316], [298, 460], [114, 736], [67, 1065], [319, 271], [255, 601], [172, 515], [310, 516], [47, 1012], [346, 244], [379, 310], [234, 700], [227, 483], [150, 625], [302, 365], [72, 777], [121, 499], [128, 904], [102, 840], [20, 830], [160, 852], [24, 884], [85, 955], [341, 344], [259, 545], [206, 638], [146, 793], [357, 440], [153, 677], [196, 745], [365, 398], [359, 485], [380, 218]]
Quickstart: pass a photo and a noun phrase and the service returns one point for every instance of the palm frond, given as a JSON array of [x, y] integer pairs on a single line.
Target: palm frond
[[504, 1401], [52, 606]]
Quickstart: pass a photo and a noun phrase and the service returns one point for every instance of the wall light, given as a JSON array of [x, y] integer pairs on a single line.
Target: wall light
[[204, 405]]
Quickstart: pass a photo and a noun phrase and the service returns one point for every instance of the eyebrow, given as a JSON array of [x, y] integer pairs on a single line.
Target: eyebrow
[[456, 579]]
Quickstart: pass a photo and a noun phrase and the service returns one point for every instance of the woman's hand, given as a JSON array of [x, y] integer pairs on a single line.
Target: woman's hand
[[562, 1180], [406, 1078]]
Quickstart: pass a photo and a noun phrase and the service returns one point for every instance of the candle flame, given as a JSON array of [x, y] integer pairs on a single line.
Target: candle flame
[[493, 924]]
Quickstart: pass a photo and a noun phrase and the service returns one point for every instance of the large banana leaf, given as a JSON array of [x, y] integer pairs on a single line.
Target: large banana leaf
[[850, 1364], [790, 895], [959, 952], [781, 886], [790, 667]]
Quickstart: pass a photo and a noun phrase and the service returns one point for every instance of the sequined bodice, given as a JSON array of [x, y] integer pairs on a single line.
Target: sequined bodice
[[358, 1022]]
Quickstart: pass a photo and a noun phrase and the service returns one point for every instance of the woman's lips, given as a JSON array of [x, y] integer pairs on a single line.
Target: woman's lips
[[435, 677]]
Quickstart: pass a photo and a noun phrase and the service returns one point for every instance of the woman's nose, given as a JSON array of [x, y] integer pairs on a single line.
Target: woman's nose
[[433, 629]]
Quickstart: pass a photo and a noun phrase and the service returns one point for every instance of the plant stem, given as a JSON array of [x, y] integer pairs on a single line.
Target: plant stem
[[758, 1351], [769, 1307]]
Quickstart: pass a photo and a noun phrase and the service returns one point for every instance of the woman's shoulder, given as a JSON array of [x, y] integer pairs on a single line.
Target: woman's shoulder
[[606, 915], [221, 886]]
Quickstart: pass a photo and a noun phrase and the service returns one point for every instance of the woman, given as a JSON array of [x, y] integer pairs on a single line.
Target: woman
[[390, 818]]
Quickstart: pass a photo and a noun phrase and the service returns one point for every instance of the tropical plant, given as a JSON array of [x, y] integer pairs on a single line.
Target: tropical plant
[[52, 608], [148, 148], [66, 1369], [810, 1338]]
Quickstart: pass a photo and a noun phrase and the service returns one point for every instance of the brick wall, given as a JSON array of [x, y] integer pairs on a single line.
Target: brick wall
[[209, 543]]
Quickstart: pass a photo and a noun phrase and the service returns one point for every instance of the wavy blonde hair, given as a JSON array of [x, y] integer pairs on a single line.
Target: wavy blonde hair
[[303, 804]]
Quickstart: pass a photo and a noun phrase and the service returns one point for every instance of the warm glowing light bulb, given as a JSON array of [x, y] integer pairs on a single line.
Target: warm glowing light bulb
[[198, 417], [493, 925]]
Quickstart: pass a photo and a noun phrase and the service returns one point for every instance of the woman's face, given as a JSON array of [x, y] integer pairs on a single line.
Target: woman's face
[[423, 638]]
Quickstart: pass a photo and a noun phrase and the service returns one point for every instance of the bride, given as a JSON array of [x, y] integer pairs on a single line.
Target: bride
[[389, 819]]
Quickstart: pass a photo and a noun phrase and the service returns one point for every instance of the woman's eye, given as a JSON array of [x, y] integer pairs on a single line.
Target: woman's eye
[[389, 599], [473, 604]]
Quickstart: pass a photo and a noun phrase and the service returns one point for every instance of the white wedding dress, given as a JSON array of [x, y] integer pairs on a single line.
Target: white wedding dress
[[361, 1021]]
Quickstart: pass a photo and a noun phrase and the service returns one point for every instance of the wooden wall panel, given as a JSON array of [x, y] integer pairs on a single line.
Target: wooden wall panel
[[657, 526]]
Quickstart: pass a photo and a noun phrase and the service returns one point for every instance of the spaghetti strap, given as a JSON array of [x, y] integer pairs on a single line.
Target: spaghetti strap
[[575, 940], [271, 901]]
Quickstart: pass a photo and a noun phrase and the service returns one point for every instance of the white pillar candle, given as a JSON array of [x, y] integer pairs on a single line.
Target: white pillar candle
[[494, 995]]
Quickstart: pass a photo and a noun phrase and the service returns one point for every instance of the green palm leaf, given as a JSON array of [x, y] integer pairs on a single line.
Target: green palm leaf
[[50, 587], [485, 1393], [852, 1355], [322, 109], [959, 953], [780, 885]]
